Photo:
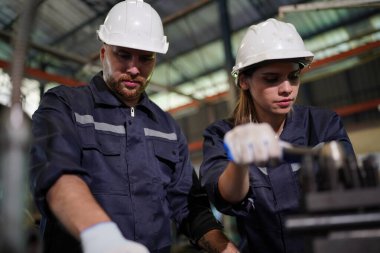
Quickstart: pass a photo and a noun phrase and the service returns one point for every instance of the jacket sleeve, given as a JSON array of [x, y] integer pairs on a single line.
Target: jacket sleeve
[[338, 132], [200, 219], [55, 149], [328, 126], [215, 161]]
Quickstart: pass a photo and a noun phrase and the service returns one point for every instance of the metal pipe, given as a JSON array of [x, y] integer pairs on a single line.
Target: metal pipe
[[290, 149], [332, 222], [183, 12], [13, 157], [14, 143], [225, 25]]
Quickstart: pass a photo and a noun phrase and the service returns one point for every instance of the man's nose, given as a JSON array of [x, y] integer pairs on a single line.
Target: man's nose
[[134, 66], [133, 71]]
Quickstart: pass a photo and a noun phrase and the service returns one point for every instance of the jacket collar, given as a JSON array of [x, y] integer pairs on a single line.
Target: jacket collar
[[101, 93], [294, 129]]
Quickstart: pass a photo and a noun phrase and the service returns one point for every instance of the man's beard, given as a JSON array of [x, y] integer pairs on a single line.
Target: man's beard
[[124, 93]]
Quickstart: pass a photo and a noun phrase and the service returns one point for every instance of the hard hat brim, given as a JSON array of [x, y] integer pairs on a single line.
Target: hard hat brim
[[148, 45], [305, 58]]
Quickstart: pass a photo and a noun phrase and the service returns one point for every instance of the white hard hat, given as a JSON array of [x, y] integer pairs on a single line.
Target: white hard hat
[[270, 40], [134, 24]]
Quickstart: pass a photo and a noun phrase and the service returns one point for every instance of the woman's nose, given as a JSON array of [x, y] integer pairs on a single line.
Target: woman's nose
[[286, 87]]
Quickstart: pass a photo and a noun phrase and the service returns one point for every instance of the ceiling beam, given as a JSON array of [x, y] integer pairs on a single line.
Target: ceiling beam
[[98, 14], [7, 37], [42, 75], [316, 6], [185, 11], [14, 21]]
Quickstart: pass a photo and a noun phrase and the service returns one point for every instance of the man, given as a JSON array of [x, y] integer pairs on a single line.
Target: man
[[109, 167]]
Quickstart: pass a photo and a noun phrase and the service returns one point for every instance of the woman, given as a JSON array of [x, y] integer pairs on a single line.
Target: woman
[[268, 66]]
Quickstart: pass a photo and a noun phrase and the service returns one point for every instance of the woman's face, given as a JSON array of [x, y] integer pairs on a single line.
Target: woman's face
[[273, 87]]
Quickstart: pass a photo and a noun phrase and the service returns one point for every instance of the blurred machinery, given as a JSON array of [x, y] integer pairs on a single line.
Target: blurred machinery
[[341, 201]]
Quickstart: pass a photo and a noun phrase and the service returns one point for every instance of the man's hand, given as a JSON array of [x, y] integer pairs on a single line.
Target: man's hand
[[106, 237], [252, 143], [215, 241]]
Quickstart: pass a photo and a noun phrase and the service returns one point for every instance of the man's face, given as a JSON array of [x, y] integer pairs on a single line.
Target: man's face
[[127, 71]]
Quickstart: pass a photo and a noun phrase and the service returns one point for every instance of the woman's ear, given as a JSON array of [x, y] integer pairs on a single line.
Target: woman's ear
[[243, 82]]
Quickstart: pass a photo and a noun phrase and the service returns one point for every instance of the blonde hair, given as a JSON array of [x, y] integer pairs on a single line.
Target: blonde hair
[[244, 111]]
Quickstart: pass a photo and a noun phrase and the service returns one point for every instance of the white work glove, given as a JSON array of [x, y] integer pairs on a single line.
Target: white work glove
[[252, 143], [105, 237]]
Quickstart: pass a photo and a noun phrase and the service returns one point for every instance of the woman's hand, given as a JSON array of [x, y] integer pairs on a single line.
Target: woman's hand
[[252, 143]]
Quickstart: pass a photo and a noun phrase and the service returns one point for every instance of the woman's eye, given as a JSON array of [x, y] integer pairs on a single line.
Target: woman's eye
[[294, 76], [271, 79]]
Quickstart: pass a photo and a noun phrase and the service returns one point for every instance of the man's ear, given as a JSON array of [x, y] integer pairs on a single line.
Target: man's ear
[[102, 52]]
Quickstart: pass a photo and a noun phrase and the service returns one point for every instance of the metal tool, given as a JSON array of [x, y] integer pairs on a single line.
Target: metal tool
[[336, 170]]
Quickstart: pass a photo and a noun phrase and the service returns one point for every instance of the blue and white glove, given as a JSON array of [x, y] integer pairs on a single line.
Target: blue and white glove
[[106, 237], [252, 143]]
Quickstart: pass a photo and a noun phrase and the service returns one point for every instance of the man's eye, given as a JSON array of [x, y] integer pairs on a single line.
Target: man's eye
[[147, 58], [124, 55]]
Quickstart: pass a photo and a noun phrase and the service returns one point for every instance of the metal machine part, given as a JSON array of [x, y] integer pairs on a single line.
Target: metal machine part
[[340, 201]]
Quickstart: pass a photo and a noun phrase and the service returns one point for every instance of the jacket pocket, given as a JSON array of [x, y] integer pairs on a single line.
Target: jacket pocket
[[101, 156], [167, 154], [102, 141]]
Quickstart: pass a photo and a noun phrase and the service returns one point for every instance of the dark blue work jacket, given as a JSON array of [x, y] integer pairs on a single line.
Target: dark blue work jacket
[[274, 192], [134, 160]]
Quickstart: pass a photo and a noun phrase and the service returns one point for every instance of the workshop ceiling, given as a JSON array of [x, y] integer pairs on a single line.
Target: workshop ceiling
[[197, 65]]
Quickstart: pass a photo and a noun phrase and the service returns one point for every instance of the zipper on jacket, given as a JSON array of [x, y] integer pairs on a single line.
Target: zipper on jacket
[[132, 111]]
